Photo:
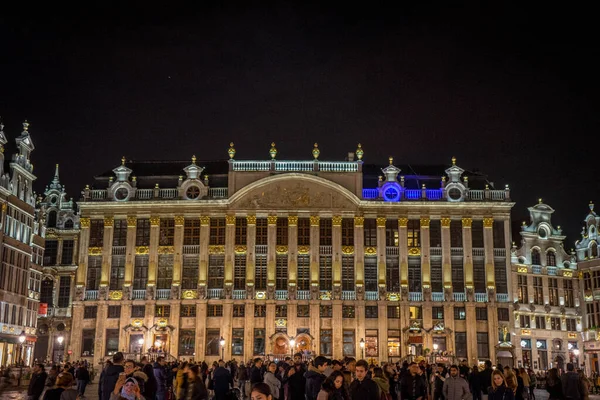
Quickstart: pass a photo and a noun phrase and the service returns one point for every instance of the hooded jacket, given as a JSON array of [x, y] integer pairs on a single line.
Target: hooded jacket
[[109, 380], [314, 380], [384, 384]]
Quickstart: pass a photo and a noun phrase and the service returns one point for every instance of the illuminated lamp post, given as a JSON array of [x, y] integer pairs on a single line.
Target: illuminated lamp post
[[362, 348], [22, 338], [222, 343]]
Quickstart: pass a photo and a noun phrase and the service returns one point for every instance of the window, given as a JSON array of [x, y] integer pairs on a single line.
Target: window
[[535, 257], [120, 232], [477, 233], [189, 279], [569, 298], [503, 314], [114, 311], [370, 232], [140, 272], [437, 285], [393, 312], [216, 271], [90, 312], [187, 342], [213, 337], [117, 273], [481, 313], [281, 272], [217, 231], [483, 346], [553, 291], [435, 233], [348, 281], [191, 232], [262, 232], [392, 275], [325, 273], [239, 310], [282, 232], [167, 232], [237, 341], [67, 252], [524, 321], [500, 275], [371, 311], [348, 312], [415, 312], [437, 312], [326, 342], [413, 233], [93, 272], [165, 271], [325, 311], [46, 295], [138, 311], [523, 290], [142, 232], [540, 322], [303, 282], [499, 242], [50, 252], [187, 310], [391, 233], [538, 293], [456, 233], [112, 341], [260, 272], [348, 346], [479, 275], [239, 272], [555, 324], [460, 313], [52, 219], [303, 311], [370, 274], [303, 232], [414, 274], [64, 291], [88, 341], [371, 343], [571, 324], [241, 229], [457, 275], [551, 259], [260, 310], [280, 311], [162, 311], [259, 341], [325, 232], [347, 232], [214, 310], [96, 233], [460, 340]]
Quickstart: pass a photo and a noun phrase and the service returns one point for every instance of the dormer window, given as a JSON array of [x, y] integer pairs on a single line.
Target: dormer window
[[52, 219], [551, 259], [535, 257], [594, 250]]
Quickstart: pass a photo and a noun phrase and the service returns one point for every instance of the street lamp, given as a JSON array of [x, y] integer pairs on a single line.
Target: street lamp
[[222, 343], [576, 353], [22, 338], [435, 351], [362, 348], [292, 344], [60, 340], [141, 343]]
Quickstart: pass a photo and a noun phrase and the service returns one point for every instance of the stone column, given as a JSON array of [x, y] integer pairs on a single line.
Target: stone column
[[200, 345], [292, 255], [100, 332], [403, 249], [449, 324], [269, 324], [488, 244], [77, 331], [59, 253], [383, 331], [271, 252], [130, 250], [124, 321], [360, 327], [381, 253], [229, 259], [175, 321], [226, 326], [84, 244], [153, 250], [149, 321], [249, 331], [337, 329], [468, 257], [425, 260], [107, 251], [178, 250], [427, 324], [336, 251], [314, 256], [315, 325], [492, 310], [359, 257], [471, 333], [75, 250], [203, 265], [446, 263], [250, 260]]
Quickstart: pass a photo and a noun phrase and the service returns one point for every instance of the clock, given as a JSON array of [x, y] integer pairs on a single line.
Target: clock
[[391, 192]]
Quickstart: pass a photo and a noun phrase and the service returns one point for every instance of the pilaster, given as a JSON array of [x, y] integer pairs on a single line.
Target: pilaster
[[200, 345], [250, 254], [471, 332], [203, 265], [488, 243], [336, 248], [292, 252], [337, 329], [107, 251], [175, 321], [359, 251], [77, 331], [229, 250], [153, 250], [124, 321], [446, 263], [59, 253], [269, 324], [130, 249], [381, 252], [178, 250], [314, 251], [383, 331], [403, 249], [360, 326], [226, 327], [425, 259], [271, 249], [100, 332], [249, 331], [468, 252]]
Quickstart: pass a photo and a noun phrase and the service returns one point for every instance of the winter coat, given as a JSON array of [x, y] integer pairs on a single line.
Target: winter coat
[[383, 384], [364, 390], [412, 387], [36, 385], [485, 380], [455, 388], [297, 383], [501, 393], [161, 378], [109, 380], [196, 390], [221, 380], [149, 390], [274, 384]]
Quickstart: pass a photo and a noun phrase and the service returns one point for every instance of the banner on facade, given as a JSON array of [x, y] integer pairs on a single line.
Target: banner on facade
[[43, 309]]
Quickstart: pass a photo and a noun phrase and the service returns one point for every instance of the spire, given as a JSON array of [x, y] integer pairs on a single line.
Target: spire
[[55, 184], [391, 171], [56, 176], [3, 140]]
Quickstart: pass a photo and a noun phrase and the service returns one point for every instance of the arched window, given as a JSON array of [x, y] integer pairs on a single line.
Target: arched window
[[46, 292], [51, 219], [69, 224], [551, 259], [594, 250], [535, 257]]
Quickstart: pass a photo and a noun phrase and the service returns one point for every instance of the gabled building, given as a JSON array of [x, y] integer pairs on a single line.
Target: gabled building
[[546, 295], [59, 267]]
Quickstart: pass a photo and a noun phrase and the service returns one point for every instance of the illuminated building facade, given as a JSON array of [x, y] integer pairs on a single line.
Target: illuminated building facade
[[328, 254], [546, 295], [21, 251]]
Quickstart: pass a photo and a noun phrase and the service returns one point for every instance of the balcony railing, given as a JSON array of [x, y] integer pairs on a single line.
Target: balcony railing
[[303, 294], [348, 295], [499, 252], [437, 296], [435, 251], [295, 166], [438, 194], [217, 193], [415, 296], [325, 250], [163, 294], [371, 296], [281, 294], [260, 249], [91, 295], [536, 269], [502, 297], [478, 252], [456, 251], [215, 293], [460, 297], [169, 193], [481, 297], [98, 194], [239, 294], [150, 194], [392, 250], [144, 194], [191, 249], [139, 294], [118, 250], [551, 270]]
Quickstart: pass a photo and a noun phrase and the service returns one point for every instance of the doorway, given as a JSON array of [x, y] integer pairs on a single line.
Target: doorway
[[161, 343]]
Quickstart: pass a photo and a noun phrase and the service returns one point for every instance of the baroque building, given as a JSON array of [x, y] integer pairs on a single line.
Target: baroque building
[[21, 252], [59, 266], [339, 258], [546, 295]]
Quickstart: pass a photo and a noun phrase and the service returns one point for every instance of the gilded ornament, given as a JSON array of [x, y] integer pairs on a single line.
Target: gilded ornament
[[240, 249], [95, 251], [115, 295], [230, 219], [292, 220], [336, 220], [273, 151], [216, 249], [154, 221], [281, 249], [381, 222], [370, 250], [166, 249], [403, 222], [391, 296], [179, 220], [522, 269], [281, 323], [488, 222], [314, 220], [5, 207], [325, 296], [204, 220], [108, 221], [359, 221], [189, 294], [162, 322], [359, 152], [466, 222], [251, 219], [414, 251], [445, 222], [84, 222], [526, 332], [131, 221], [316, 151], [425, 222], [142, 250], [261, 295], [568, 274], [303, 249], [231, 151], [347, 250], [272, 220], [137, 323]]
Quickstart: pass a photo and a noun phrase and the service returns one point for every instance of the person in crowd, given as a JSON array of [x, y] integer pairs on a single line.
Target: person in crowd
[[520, 392], [181, 379], [196, 389], [464, 369], [585, 384], [111, 375], [149, 389], [315, 377], [242, 377], [126, 389], [272, 380], [222, 381], [499, 390], [62, 389], [363, 388], [382, 382], [392, 377], [160, 375], [82, 375], [526, 380], [260, 391], [295, 379], [475, 383], [437, 382], [412, 385], [455, 387], [554, 385], [256, 375], [51, 376], [485, 379], [532, 384], [333, 388], [37, 382]]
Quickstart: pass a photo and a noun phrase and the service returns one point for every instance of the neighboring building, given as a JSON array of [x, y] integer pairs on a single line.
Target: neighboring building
[[21, 251], [547, 317], [60, 264], [258, 253]]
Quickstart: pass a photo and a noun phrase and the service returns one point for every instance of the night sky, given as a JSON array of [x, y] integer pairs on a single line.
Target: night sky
[[512, 90]]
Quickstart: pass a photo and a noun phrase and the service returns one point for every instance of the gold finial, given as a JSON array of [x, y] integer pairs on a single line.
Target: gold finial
[[487, 187], [316, 151], [231, 151], [423, 186], [206, 178], [123, 159], [466, 178], [540, 200], [380, 178], [443, 179], [558, 227], [87, 187], [25, 126], [156, 186], [273, 151], [194, 159], [391, 160], [524, 223], [359, 152], [134, 178], [453, 160]]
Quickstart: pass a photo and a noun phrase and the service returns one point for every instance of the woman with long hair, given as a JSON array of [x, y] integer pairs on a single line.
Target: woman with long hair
[[554, 385], [392, 377], [382, 382], [62, 388], [333, 388], [499, 389], [195, 388], [510, 379], [271, 380], [260, 391]]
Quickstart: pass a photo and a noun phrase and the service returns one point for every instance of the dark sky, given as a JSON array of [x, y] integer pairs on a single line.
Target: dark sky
[[511, 90]]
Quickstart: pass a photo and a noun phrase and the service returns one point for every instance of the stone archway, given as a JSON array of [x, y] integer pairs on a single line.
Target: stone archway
[[281, 346], [303, 343]]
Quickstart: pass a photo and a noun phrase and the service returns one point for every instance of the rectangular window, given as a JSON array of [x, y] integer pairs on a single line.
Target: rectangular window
[[262, 231], [437, 312], [477, 234], [483, 345], [569, 298], [348, 312], [437, 284], [348, 346], [555, 324], [140, 272], [413, 233], [481, 313], [67, 252], [553, 291], [348, 281], [166, 232], [392, 274], [120, 232], [259, 341], [540, 322], [571, 324], [303, 231], [64, 292], [303, 311], [415, 312], [138, 311], [216, 271], [524, 321], [457, 275], [479, 275], [523, 289], [217, 231], [456, 233], [96, 233], [241, 231], [237, 342], [282, 231], [394, 343], [503, 314], [499, 242], [500, 275], [538, 292], [187, 342], [94, 270], [460, 340], [142, 232], [162, 311], [325, 232], [214, 310], [50, 252], [281, 272], [391, 233], [187, 310], [326, 342], [371, 343], [371, 311], [239, 310], [370, 232], [260, 272], [280, 311], [165, 271], [88, 341], [260, 310], [114, 311], [371, 274], [213, 337], [393, 312], [460, 313], [112, 341], [435, 233], [191, 232], [189, 279], [303, 281], [90, 312], [325, 311], [239, 272], [347, 232], [414, 274], [325, 273], [117, 273]]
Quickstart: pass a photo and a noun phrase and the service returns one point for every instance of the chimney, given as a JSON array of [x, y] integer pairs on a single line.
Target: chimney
[[350, 156]]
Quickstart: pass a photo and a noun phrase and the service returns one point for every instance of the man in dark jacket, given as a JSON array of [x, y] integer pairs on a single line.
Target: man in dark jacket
[[315, 377], [295, 379], [150, 386], [36, 384], [485, 379], [111, 375], [161, 378], [363, 388], [412, 385], [255, 372], [221, 381], [572, 385]]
